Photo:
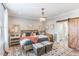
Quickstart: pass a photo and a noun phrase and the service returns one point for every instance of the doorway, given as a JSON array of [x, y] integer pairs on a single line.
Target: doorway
[[62, 33]]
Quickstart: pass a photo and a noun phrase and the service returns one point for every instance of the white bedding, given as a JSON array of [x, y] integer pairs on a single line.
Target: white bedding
[[42, 36]]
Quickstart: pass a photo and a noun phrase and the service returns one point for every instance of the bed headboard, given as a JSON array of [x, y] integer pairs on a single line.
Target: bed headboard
[[28, 32]]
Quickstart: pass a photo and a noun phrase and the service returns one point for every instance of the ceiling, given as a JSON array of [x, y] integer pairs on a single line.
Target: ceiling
[[33, 10]]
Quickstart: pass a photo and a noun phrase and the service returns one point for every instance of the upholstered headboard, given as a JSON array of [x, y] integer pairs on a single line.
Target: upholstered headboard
[[28, 32]]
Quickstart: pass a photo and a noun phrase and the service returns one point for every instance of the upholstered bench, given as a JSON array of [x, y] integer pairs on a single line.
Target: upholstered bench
[[39, 49], [48, 46]]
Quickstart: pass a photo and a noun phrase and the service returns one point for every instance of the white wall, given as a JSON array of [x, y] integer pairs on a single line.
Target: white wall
[[1, 30], [6, 29], [66, 15], [48, 24], [25, 24]]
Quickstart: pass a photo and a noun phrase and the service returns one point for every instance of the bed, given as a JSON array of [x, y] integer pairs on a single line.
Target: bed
[[27, 41], [42, 38]]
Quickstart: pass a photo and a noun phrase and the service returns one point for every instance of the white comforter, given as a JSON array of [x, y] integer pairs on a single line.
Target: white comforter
[[42, 36]]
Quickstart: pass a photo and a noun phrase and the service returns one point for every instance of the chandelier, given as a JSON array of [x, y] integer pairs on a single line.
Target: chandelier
[[43, 18]]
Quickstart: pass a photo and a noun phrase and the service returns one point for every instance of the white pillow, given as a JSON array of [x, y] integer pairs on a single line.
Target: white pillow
[[23, 35]]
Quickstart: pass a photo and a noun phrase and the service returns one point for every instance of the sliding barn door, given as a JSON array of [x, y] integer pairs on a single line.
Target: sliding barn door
[[77, 46], [73, 33]]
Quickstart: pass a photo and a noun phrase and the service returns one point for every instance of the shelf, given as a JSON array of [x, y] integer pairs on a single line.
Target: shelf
[[14, 44], [14, 39]]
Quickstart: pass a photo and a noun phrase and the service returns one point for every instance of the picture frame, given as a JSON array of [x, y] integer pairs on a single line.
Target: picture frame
[[52, 26], [15, 29]]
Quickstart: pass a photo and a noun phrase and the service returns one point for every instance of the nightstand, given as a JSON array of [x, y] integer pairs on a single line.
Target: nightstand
[[50, 36]]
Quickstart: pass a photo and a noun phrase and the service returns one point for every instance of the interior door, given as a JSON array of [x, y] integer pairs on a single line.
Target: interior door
[[73, 33]]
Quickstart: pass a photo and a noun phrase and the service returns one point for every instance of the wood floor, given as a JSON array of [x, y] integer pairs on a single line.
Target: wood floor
[[57, 50]]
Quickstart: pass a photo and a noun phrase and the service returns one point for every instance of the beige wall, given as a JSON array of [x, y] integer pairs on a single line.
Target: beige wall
[[25, 24]]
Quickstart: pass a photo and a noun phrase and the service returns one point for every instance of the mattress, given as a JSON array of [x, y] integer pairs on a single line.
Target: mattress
[[42, 38]]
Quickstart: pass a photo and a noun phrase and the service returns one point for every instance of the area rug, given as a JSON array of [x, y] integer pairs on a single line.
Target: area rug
[[57, 50]]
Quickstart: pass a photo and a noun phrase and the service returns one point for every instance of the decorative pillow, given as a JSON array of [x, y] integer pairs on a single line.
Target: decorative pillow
[[24, 35], [28, 33], [37, 33]]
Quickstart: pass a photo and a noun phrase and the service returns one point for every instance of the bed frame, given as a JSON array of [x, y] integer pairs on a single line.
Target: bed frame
[[23, 31], [27, 47]]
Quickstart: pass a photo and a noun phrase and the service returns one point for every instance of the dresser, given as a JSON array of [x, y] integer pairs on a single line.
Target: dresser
[[14, 39]]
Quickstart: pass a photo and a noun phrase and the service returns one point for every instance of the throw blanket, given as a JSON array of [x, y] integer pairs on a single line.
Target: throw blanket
[[34, 39], [25, 42]]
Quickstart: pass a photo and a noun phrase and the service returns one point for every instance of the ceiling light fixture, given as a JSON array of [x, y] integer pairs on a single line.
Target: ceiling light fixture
[[43, 18]]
